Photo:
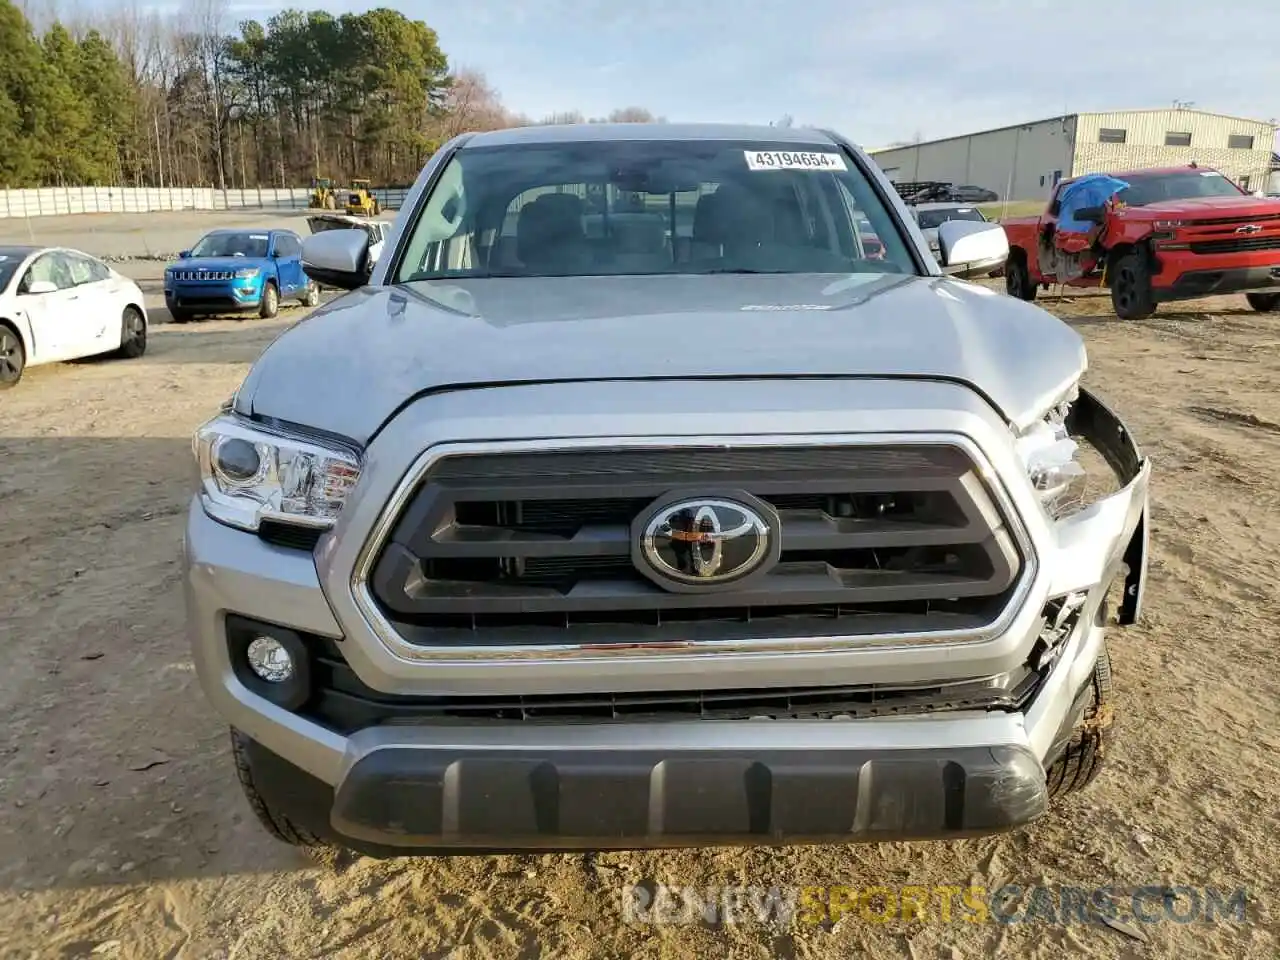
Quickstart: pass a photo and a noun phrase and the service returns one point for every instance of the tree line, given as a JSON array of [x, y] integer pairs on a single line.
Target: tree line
[[131, 97]]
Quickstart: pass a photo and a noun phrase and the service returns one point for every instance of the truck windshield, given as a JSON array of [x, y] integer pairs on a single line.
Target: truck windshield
[[231, 245], [1143, 190], [614, 208], [930, 219]]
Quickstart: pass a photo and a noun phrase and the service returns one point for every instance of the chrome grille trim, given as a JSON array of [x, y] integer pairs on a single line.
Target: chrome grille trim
[[203, 275], [395, 643]]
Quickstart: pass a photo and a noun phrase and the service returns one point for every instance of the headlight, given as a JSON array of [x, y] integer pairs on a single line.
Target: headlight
[[1050, 456], [249, 474], [248, 273]]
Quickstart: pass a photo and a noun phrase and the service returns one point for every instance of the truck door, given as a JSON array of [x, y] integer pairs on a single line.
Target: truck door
[[288, 255]]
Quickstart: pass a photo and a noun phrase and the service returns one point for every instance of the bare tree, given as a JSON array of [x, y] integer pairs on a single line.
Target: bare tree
[[473, 104], [565, 116], [631, 115]]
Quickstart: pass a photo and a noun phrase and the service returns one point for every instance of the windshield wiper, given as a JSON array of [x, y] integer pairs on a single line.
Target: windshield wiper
[[742, 270]]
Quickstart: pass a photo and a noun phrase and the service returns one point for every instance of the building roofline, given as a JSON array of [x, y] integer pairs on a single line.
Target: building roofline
[[976, 133], [1203, 113], [1067, 116]]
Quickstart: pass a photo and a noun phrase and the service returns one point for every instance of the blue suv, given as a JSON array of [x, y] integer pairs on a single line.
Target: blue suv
[[231, 271]]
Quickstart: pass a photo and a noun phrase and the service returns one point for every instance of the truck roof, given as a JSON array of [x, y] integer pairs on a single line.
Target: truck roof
[[595, 132]]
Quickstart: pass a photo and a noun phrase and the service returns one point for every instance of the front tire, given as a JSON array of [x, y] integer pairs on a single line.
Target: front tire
[[270, 301], [1264, 302], [133, 334], [1131, 287], [13, 358], [1091, 738], [272, 820], [1017, 278]]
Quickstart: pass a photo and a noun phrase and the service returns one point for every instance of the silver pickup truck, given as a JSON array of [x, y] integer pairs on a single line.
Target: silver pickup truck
[[627, 501]]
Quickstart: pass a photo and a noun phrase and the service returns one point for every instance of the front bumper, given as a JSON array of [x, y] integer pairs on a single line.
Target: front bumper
[[554, 785], [224, 297], [1210, 283]]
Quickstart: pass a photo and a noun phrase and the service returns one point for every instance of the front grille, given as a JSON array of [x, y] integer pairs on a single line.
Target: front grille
[[1235, 220], [1240, 244], [521, 548], [204, 275], [341, 702]]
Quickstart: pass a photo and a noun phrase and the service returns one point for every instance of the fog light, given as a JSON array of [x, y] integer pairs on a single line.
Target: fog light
[[269, 659]]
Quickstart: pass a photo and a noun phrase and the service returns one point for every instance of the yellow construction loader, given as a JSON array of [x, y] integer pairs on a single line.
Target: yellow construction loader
[[360, 202], [323, 195]]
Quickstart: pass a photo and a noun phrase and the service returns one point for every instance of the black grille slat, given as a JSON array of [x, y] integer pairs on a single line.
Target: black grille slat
[[188, 275], [544, 541], [1236, 220], [1235, 245], [343, 702], [695, 463]]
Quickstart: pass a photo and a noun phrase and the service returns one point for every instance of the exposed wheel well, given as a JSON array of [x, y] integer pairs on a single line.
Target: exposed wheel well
[[1120, 250]]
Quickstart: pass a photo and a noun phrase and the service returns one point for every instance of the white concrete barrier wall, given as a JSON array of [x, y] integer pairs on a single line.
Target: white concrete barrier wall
[[55, 201]]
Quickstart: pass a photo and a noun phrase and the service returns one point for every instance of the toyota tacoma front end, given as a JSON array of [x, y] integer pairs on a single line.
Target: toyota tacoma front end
[[629, 503]]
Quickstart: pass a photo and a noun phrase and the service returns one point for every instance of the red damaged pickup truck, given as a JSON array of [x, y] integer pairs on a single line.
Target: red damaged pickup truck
[[1171, 234]]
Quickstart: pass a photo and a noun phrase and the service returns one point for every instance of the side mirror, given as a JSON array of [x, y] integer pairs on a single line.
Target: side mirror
[[1090, 214], [338, 258], [970, 248], [183, 254], [37, 287]]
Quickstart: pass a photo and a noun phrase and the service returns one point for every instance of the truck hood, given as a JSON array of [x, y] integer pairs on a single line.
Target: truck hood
[[351, 364], [1206, 208]]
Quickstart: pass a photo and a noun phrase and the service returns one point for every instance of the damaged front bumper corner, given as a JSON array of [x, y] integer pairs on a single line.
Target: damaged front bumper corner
[[1120, 519]]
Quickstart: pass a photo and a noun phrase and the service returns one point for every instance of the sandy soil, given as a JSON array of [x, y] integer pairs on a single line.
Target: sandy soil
[[124, 833]]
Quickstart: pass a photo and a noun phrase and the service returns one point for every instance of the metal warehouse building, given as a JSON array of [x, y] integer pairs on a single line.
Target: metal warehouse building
[[1023, 162]]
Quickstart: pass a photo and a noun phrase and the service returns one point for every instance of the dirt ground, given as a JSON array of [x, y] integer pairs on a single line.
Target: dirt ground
[[124, 834]]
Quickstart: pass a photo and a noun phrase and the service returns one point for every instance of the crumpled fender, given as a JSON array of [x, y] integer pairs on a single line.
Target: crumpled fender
[[1092, 420]]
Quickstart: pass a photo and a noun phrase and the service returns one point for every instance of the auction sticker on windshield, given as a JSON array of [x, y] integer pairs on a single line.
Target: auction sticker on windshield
[[786, 160]]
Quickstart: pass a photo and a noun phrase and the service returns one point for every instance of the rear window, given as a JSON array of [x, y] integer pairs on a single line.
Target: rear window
[[652, 207]]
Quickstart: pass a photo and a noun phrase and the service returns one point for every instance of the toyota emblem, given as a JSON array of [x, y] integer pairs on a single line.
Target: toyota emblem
[[706, 542]]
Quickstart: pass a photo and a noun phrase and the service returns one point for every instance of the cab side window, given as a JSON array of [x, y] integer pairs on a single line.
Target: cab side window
[[50, 268], [287, 246], [80, 270]]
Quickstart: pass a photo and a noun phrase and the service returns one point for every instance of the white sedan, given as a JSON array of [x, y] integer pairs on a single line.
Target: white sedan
[[59, 304]]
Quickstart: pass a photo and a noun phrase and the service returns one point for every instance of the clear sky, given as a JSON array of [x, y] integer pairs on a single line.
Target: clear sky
[[876, 70]]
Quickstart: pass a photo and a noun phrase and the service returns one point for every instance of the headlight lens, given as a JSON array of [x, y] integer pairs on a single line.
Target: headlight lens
[[248, 474], [248, 273], [1050, 456]]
